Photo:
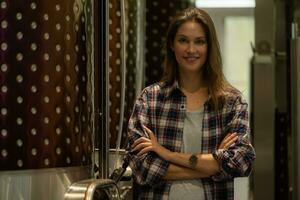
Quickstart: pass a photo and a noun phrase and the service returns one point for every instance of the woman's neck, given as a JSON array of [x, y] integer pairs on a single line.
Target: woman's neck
[[191, 83]]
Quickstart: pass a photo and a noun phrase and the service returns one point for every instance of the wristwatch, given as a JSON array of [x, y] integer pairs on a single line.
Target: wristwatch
[[193, 161]]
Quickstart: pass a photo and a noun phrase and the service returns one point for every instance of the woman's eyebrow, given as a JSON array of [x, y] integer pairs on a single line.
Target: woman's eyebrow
[[182, 35]]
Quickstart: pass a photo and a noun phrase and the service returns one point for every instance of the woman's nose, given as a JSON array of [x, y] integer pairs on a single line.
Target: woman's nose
[[191, 48]]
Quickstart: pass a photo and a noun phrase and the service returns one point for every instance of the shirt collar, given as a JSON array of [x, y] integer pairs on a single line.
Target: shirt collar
[[170, 88]]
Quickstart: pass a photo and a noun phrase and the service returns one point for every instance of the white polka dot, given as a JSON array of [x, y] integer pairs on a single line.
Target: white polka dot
[[4, 132], [4, 46], [58, 131], [20, 163], [57, 47], [33, 67], [46, 36], [3, 5], [19, 56], [33, 25], [68, 37], [33, 46], [33, 151], [33, 6], [46, 162], [46, 17], [4, 24], [33, 89], [4, 153], [58, 89], [19, 16], [58, 26], [33, 110], [57, 7], [4, 88], [46, 99], [46, 78], [19, 143], [76, 68], [68, 57], [33, 131], [68, 119], [46, 120], [4, 67], [19, 78], [58, 110], [68, 99], [68, 160], [46, 56], [46, 141], [67, 17], [68, 141], [76, 27], [19, 121], [19, 99], [58, 151], [19, 35], [58, 68], [3, 111]]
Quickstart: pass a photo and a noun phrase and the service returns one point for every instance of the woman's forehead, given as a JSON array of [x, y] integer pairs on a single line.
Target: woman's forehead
[[191, 28]]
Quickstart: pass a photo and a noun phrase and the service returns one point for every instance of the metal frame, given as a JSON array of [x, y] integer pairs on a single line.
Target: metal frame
[[295, 112], [102, 78], [263, 100]]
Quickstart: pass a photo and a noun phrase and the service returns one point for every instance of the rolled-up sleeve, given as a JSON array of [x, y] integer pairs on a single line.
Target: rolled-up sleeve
[[148, 169], [237, 160]]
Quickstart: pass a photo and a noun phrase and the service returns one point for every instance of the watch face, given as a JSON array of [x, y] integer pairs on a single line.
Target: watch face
[[193, 160]]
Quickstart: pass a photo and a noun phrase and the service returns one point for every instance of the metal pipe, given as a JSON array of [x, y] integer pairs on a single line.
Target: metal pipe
[[140, 67], [104, 89]]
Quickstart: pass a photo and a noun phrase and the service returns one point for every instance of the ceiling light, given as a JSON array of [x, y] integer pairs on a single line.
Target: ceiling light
[[225, 3]]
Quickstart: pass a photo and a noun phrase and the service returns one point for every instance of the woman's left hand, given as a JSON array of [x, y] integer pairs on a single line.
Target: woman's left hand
[[144, 145]]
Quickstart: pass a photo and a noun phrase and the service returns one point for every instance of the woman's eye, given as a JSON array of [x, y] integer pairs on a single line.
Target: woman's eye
[[200, 42], [182, 40]]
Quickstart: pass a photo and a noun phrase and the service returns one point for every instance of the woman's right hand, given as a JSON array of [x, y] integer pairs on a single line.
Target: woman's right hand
[[228, 140]]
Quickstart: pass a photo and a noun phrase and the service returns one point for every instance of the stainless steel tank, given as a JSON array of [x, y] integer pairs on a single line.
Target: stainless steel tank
[[46, 104]]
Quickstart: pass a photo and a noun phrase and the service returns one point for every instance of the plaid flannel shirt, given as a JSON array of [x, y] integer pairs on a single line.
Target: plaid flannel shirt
[[161, 107]]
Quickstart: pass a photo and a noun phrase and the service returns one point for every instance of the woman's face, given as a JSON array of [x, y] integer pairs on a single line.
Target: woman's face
[[190, 47]]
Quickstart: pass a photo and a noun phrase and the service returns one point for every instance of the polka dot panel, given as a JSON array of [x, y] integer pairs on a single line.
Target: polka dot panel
[[158, 15], [115, 70], [44, 85]]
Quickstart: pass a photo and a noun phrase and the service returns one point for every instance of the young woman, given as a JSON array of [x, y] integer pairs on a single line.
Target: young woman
[[189, 133]]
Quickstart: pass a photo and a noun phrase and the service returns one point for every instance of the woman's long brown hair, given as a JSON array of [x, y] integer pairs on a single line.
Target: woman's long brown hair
[[212, 71]]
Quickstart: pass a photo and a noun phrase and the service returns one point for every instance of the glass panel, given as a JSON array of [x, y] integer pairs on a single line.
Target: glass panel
[[239, 34]]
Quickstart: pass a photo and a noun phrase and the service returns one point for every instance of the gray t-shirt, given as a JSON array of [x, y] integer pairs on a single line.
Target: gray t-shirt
[[192, 141]]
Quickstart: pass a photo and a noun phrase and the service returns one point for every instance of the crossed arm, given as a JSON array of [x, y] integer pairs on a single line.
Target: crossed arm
[[179, 167]]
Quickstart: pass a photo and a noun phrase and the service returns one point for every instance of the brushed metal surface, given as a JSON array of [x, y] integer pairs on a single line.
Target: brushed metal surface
[[295, 115], [42, 184], [264, 128], [102, 189]]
